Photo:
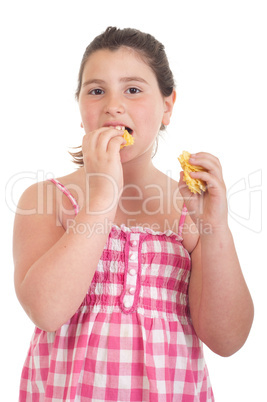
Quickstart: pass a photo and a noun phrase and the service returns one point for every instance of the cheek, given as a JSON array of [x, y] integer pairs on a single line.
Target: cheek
[[89, 117], [153, 118], [151, 114]]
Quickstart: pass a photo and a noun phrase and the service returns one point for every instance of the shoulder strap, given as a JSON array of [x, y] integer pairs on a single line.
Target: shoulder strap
[[182, 220], [67, 193]]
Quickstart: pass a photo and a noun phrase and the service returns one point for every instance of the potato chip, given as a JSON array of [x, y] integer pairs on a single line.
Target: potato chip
[[129, 138], [194, 185]]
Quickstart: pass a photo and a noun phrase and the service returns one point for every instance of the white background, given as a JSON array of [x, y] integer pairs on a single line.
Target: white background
[[217, 51]]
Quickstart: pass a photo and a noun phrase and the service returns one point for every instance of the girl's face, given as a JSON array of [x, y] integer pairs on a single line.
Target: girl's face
[[120, 89]]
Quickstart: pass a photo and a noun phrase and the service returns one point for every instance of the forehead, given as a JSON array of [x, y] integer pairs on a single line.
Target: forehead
[[120, 61]]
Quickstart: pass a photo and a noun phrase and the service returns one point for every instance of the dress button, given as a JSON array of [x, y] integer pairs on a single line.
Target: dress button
[[132, 272], [131, 290], [127, 304], [133, 243], [132, 257]]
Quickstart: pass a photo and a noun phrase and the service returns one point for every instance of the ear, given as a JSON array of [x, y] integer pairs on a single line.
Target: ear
[[168, 107], [81, 125]]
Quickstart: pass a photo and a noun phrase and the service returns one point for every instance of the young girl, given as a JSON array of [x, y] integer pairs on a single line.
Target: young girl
[[124, 271]]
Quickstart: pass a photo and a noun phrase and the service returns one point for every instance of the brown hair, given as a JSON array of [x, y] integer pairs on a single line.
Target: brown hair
[[149, 48]]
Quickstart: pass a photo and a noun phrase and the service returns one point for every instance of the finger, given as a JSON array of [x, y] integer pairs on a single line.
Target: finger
[[115, 143], [210, 179], [205, 155], [90, 140], [106, 137], [208, 162]]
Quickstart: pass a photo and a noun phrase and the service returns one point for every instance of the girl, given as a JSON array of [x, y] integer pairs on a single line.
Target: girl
[[103, 270]]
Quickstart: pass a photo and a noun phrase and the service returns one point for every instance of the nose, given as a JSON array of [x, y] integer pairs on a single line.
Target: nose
[[114, 104]]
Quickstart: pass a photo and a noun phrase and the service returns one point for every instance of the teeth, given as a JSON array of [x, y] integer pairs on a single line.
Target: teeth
[[120, 128]]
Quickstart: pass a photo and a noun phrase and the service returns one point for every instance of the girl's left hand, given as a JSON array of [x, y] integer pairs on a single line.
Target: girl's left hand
[[211, 206]]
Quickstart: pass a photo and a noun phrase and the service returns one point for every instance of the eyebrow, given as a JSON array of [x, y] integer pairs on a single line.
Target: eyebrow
[[123, 79]]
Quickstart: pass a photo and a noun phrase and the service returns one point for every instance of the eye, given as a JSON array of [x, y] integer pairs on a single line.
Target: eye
[[96, 91], [133, 91]]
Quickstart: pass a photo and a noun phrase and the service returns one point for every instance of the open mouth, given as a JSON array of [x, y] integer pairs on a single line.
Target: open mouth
[[130, 131]]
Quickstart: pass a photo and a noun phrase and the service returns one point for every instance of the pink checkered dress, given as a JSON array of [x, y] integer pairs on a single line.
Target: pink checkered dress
[[132, 338]]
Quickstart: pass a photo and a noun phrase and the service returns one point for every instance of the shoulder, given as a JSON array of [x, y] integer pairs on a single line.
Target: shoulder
[[168, 187], [36, 199], [35, 223], [45, 198]]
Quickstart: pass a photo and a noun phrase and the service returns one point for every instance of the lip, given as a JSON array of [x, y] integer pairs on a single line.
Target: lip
[[118, 123], [113, 124]]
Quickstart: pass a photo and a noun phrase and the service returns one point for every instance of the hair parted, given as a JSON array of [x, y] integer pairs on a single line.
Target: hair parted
[[147, 46]]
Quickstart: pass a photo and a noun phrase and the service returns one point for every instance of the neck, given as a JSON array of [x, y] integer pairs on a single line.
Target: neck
[[138, 172]]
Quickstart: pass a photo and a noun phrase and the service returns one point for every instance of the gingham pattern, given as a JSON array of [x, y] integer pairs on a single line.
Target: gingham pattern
[[132, 337]]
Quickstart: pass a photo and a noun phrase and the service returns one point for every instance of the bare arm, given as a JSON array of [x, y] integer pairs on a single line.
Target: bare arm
[[54, 268], [220, 303]]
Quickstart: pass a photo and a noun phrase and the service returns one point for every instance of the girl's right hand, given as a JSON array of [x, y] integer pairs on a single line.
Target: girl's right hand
[[102, 163]]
